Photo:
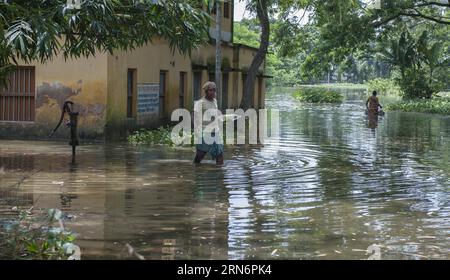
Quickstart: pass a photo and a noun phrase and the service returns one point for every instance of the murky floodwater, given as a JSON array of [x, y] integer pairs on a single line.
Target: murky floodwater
[[337, 184]]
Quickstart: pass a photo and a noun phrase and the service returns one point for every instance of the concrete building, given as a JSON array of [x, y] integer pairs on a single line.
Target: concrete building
[[125, 90]]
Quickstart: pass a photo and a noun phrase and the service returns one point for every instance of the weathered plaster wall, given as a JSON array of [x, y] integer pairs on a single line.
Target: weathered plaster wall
[[98, 87], [206, 55], [82, 81], [148, 61]]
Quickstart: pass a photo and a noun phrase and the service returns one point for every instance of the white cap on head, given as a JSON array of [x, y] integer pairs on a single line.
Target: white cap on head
[[209, 85]]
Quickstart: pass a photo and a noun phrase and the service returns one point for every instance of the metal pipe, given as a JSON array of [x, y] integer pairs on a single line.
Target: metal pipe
[[72, 124]]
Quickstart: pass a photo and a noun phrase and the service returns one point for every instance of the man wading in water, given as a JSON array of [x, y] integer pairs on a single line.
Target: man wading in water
[[207, 102], [372, 104]]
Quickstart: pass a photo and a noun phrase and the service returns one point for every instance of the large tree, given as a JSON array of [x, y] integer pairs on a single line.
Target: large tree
[[262, 11], [421, 60], [348, 27], [40, 29]]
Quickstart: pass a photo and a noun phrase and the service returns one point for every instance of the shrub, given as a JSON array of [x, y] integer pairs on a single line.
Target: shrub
[[317, 95], [415, 84], [37, 236], [436, 105], [160, 136], [383, 86]]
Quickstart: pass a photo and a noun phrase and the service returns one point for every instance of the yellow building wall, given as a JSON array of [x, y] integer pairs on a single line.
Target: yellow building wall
[[206, 55], [226, 23], [245, 58], [148, 61], [98, 85], [82, 81], [263, 94]]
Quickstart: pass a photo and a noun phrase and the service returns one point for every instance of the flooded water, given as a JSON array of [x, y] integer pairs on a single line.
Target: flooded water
[[337, 184]]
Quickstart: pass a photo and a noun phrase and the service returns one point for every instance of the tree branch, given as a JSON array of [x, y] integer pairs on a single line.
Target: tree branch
[[419, 14], [426, 4], [385, 21]]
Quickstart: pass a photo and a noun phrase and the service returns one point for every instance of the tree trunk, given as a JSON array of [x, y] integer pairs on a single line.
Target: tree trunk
[[249, 87]]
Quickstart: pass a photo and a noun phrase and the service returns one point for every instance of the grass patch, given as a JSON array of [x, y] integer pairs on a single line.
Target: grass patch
[[160, 136], [337, 86], [318, 95], [436, 105]]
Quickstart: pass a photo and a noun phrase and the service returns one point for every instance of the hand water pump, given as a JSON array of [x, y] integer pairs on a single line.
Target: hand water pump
[[72, 123]]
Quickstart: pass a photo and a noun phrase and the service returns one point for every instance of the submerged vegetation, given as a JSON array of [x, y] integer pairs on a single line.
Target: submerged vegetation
[[318, 95], [437, 105], [160, 136], [37, 235], [389, 91], [163, 136]]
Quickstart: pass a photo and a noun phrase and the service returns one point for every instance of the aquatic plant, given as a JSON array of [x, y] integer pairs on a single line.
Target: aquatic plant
[[437, 105], [317, 95], [37, 235], [160, 136], [337, 86]]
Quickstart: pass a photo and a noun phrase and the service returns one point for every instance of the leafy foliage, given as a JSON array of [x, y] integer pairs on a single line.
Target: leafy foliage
[[40, 29], [284, 70], [36, 236], [247, 32], [160, 136], [163, 136], [383, 86], [318, 95], [291, 66], [420, 62], [347, 36], [435, 105]]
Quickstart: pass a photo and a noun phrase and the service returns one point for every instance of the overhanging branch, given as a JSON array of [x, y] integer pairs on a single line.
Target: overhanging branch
[[433, 3]]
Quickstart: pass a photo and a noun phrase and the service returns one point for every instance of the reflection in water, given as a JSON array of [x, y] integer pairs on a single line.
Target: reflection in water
[[334, 186], [373, 120]]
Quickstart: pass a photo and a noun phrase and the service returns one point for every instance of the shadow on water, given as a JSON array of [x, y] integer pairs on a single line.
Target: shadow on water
[[335, 185]]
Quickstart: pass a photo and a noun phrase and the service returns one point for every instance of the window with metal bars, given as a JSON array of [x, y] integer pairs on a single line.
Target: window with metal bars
[[17, 97]]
